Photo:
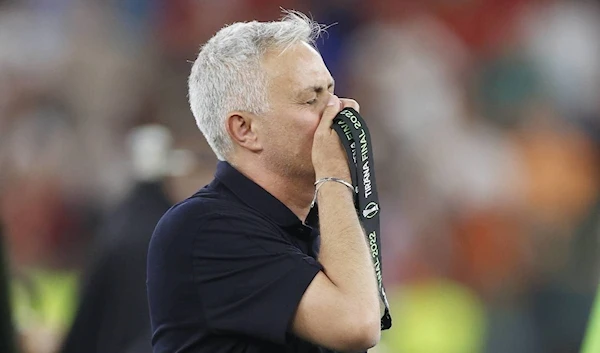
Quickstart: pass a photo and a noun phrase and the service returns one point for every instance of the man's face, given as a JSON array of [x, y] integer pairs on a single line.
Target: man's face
[[299, 87]]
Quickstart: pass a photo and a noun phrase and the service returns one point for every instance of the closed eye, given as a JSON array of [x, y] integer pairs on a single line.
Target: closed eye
[[312, 101]]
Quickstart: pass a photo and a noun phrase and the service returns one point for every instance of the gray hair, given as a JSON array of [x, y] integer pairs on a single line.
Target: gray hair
[[227, 74]]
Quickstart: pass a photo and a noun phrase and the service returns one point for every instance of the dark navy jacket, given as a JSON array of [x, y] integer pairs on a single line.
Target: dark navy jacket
[[226, 271]]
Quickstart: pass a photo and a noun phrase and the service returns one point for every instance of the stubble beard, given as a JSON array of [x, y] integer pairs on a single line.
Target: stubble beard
[[293, 168]]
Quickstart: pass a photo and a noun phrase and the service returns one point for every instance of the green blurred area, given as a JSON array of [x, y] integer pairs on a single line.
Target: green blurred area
[[435, 316], [44, 299]]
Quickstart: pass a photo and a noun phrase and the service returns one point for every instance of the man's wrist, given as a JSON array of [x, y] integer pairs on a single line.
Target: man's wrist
[[325, 182], [333, 173], [342, 181], [334, 187]]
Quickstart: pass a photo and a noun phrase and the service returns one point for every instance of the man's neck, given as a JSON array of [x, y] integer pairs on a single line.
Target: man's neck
[[295, 193]]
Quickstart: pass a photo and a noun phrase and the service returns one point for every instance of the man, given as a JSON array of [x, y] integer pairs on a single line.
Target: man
[[7, 331], [242, 265], [112, 316]]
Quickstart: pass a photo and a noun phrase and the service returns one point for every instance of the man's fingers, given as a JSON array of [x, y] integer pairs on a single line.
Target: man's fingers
[[333, 107], [350, 103]]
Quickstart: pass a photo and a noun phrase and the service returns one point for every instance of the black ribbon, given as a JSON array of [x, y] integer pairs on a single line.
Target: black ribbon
[[355, 138]]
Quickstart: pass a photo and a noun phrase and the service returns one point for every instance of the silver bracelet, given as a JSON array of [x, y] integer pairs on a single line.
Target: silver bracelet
[[321, 181]]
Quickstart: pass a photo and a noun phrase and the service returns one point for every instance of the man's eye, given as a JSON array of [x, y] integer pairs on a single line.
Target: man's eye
[[312, 101]]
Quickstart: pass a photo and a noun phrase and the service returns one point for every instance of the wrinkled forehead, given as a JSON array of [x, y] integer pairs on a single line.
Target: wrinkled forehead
[[290, 71]]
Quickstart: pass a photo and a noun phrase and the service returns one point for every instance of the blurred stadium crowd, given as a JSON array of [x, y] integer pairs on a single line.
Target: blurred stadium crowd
[[485, 116]]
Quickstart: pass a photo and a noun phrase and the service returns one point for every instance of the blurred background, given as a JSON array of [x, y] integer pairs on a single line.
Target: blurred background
[[485, 116]]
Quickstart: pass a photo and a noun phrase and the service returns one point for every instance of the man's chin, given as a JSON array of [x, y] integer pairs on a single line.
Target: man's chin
[[300, 171], [305, 174]]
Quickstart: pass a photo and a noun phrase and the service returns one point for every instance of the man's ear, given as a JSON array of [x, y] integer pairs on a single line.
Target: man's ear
[[243, 128]]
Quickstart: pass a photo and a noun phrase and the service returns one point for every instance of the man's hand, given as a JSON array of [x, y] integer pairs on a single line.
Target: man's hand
[[340, 308], [328, 156]]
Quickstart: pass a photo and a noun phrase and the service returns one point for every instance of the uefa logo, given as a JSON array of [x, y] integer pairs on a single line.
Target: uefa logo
[[371, 210]]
